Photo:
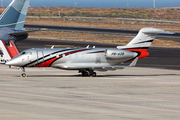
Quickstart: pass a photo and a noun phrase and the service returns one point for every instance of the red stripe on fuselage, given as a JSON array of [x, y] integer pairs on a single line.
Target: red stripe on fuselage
[[142, 52], [49, 62]]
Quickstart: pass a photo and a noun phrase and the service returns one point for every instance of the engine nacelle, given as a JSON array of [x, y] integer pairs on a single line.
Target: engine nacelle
[[119, 54]]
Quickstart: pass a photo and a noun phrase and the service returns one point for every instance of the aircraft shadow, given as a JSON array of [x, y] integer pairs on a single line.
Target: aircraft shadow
[[59, 76], [150, 75]]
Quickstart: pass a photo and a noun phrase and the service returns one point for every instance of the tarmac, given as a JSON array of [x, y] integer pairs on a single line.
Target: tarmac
[[52, 94]]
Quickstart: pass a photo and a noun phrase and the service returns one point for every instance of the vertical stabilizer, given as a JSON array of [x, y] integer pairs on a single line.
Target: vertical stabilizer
[[143, 40], [6, 55], [8, 51], [15, 14]]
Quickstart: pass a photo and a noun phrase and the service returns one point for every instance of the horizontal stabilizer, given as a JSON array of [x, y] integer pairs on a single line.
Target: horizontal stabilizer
[[158, 32]]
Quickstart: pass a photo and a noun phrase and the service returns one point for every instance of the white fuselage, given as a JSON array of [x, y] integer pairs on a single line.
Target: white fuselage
[[71, 58]]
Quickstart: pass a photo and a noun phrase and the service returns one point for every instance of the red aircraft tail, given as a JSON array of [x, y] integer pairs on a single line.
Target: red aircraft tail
[[9, 51]]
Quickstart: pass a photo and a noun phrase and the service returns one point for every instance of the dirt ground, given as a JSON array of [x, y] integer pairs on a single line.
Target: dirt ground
[[167, 17], [103, 38], [107, 23]]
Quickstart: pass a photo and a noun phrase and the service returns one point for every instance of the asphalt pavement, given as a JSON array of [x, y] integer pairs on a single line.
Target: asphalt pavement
[[53, 94]]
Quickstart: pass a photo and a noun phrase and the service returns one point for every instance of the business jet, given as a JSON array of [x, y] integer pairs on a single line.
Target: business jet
[[12, 21], [87, 60]]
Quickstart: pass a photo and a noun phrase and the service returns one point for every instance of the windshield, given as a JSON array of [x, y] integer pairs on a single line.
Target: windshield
[[26, 53]]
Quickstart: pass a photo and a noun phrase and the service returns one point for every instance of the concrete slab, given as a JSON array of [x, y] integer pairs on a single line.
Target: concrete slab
[[52, 94]]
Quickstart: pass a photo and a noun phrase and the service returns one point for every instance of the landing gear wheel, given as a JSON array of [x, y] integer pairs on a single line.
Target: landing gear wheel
[[23, 75], [93, 74], [85, 74], [23, 72]]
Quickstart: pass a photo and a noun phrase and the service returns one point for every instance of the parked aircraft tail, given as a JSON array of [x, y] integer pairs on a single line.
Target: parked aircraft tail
[[14, 15], [143, 40], [8, 52]]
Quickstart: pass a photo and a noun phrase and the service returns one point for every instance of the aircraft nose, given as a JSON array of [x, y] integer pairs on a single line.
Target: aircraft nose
[[10, 62]]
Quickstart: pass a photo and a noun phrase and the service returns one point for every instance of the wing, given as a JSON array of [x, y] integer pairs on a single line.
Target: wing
[[23, 32], [102, 68], [26, 32]]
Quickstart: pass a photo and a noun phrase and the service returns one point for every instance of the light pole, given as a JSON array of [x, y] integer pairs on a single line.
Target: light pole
[[1, 3], [154, 3], [75, 4], [127, 3]]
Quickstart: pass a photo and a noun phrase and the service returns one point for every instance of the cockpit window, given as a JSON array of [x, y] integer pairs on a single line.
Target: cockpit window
[[26, 53], [22, 53]]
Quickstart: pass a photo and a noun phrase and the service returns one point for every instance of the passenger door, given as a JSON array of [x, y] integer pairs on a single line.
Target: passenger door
[[40, 58]]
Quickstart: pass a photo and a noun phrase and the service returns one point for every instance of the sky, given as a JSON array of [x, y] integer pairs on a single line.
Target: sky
[[101, 3]]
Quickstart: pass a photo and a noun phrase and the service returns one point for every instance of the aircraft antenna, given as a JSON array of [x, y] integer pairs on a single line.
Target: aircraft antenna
[[52, 47], [87, 46]]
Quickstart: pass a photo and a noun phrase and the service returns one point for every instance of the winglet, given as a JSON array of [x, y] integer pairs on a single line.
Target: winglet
[[133, 63]]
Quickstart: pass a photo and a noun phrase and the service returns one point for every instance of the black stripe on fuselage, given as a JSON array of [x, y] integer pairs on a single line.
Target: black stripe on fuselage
[[70, 53], [102, 51], [136, 48], [66, 54], [45, 57], [144, 42]]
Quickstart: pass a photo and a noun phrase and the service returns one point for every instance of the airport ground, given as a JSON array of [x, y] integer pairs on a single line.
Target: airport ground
[[53, 94], [149, 91]]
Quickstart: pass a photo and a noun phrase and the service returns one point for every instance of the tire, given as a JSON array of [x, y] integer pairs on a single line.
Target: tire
[[94, 74], [85, 74], [23, 75]]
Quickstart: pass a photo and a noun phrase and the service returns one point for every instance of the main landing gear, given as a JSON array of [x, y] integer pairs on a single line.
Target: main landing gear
[[90, 73], [23, 72]]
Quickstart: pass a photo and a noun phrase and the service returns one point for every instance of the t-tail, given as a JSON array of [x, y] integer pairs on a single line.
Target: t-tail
[[143, 40], [15, 14]]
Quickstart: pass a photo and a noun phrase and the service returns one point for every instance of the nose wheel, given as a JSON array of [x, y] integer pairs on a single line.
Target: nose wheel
[[23, 72], [23, 75]]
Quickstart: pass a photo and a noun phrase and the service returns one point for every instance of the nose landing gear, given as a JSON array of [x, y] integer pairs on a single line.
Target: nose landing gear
[[23, 72]]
